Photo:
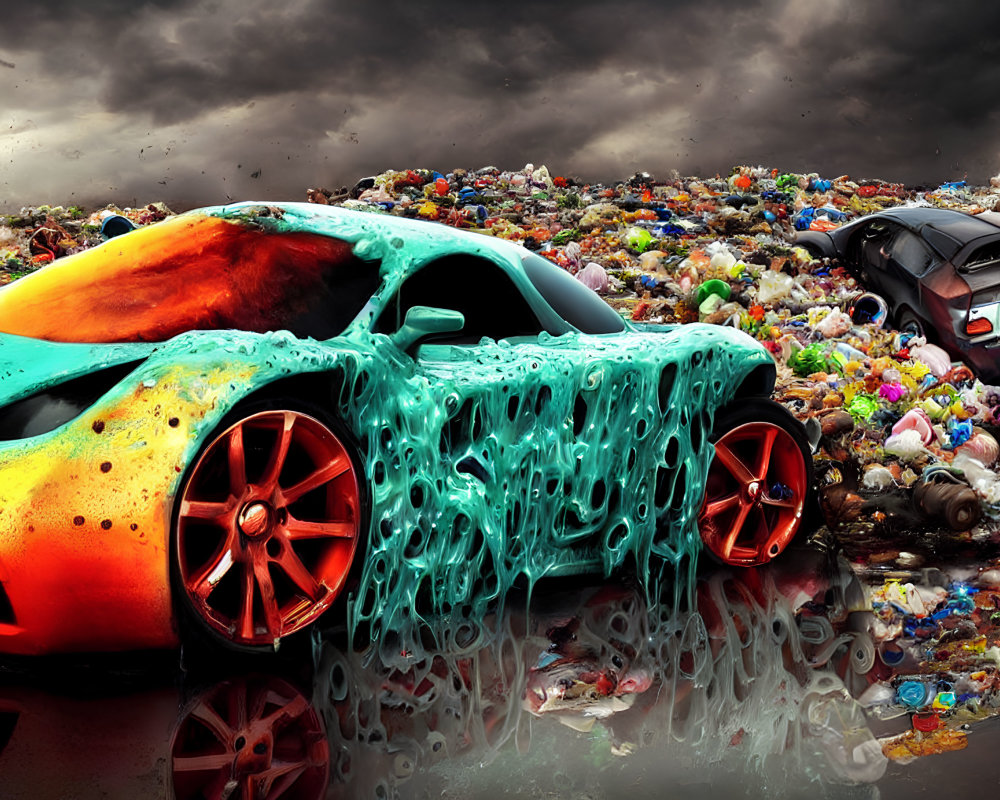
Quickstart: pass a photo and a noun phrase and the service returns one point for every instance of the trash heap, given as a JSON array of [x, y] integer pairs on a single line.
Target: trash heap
[[39, 235], [938, 660], [905, 439]]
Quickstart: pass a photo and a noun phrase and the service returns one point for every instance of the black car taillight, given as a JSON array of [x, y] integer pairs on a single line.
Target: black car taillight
[[977, 327]]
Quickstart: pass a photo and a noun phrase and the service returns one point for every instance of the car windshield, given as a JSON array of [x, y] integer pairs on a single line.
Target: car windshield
[[193, 273], [570, 299]]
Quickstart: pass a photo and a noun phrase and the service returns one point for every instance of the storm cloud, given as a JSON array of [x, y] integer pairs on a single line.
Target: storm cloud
[[202, 101]]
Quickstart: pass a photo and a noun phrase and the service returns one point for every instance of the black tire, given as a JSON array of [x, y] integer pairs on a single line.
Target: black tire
[[908, 322], [758, 493], [293, 525]]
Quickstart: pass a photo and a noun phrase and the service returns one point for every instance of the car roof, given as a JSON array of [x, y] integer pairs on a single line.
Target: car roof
[[137, 287], [956, 224]]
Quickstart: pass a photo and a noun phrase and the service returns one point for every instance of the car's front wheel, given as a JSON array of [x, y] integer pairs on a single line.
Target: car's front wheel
[[758, 483], [267, 526]]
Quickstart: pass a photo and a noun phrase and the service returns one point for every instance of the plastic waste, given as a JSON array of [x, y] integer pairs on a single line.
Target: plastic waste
[[984, 482], [594, 276], [723, 260], [862, 406], [877, 477], [834, 324], [982, 446], [715, 286], [907, 445], [639, 239], [926, 722], [710, 304], [912, 694], [934, 357], [651, 260], [916, 419], [774, 286], [893, 392]]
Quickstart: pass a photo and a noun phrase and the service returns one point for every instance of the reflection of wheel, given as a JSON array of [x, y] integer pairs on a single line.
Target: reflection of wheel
[[247, 738], [758, 483], [267, 527], [908, 322]]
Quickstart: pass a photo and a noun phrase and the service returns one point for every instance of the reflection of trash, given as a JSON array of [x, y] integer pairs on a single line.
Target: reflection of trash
[[839, 723], [726, 676], [914, 744]]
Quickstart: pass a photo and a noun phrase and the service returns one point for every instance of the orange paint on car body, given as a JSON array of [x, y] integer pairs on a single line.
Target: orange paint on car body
[[137, 287], [87, 513]]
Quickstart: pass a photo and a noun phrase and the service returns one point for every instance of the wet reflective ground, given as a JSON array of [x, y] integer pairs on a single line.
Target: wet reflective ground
[[745, 684]]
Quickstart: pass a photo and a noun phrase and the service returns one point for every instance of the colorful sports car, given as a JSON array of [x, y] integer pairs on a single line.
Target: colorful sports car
[[217, 423]]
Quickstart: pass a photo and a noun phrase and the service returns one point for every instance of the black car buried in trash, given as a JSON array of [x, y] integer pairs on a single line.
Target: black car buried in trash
[[938, 271]]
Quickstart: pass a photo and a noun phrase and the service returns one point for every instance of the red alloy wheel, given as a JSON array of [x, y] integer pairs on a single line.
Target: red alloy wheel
[[249, 738], [756, 492], [267, 527]]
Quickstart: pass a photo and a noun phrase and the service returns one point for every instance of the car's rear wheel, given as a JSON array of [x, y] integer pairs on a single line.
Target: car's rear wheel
[[758, 483], [267, 526], [908, 322]]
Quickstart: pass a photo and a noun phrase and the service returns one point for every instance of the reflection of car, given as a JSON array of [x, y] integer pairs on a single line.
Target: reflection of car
[[938, 270], [455, 408], [679, 682], [244, 737]]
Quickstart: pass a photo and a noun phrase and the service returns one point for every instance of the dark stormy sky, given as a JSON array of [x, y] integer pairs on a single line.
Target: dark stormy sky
[[198, 101]]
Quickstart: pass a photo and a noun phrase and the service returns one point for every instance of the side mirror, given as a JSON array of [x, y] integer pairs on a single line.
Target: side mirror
[[422, 321]]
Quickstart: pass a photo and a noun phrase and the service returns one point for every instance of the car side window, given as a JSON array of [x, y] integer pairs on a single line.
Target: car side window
[[487, 297], [909, 252], [870, 247]]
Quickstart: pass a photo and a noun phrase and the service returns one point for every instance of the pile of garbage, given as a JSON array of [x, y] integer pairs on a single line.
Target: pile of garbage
[[39, 235], [937, 643], [905, 439]]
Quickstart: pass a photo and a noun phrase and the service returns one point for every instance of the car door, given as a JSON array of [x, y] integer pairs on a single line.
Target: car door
[[506, 432], [868, 252], [890, 260], [910, 259]]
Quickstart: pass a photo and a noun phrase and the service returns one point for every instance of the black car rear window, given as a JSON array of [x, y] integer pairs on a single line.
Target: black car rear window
[[987, 255], [569, 298], [944, 243]]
